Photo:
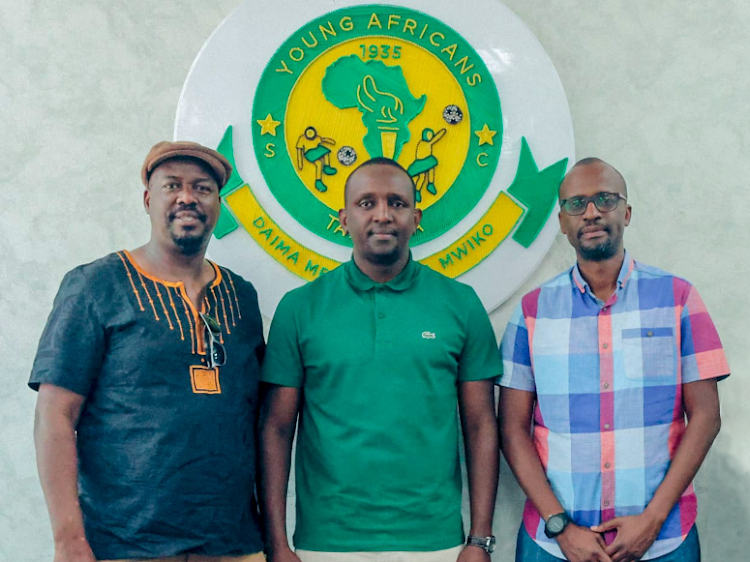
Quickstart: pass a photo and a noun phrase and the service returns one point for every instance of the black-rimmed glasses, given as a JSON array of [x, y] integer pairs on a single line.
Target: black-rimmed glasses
[[217, 354], [605, 201]]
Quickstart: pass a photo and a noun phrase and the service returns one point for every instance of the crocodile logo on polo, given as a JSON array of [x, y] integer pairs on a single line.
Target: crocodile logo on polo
[[383, 81]]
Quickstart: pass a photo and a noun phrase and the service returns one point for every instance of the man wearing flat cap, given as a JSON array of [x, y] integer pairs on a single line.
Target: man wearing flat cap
[[147, 373]]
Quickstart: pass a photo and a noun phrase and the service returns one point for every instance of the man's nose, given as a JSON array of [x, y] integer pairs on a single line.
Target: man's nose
[[383, 212], [591, 212], [186, 196]]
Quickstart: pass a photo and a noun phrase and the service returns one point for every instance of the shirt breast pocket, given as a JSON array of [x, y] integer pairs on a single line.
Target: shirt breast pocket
[[649, 353]]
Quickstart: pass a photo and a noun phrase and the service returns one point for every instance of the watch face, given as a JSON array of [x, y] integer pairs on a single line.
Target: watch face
[[555, 524]]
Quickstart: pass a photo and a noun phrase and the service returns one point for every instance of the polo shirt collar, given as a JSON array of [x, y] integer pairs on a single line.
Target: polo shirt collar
[[622, 277], [401, 282]]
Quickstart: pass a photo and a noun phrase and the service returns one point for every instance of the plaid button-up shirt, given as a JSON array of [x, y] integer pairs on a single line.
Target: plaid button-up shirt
[[608, 382]]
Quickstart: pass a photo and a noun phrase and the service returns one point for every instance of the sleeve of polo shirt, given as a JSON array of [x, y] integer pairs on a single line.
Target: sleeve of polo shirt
[[282, 364], [71, 349], [701, 353], [516, 354], [479, 358]]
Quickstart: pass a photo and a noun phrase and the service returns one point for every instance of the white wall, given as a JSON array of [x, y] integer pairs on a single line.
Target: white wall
[[656, 88]]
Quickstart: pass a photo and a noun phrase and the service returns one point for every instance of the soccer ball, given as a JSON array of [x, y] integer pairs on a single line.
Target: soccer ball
[[453, 114], [347, 155]]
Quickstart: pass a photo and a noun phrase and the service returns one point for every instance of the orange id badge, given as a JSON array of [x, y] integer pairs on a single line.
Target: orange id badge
[[204, 380]]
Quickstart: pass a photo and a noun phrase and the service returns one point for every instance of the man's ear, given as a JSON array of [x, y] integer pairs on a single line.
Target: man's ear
[[147, 199], [342, 220], [417, 219]]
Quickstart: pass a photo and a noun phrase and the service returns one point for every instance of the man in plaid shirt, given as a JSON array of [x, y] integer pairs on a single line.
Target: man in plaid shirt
[[606, 362]]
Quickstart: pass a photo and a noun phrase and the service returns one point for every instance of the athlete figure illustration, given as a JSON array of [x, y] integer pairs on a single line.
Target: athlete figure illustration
[[423, 167], [310, 147]]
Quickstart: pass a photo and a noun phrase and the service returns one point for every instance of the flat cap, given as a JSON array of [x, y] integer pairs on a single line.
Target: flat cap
[[165, 150]]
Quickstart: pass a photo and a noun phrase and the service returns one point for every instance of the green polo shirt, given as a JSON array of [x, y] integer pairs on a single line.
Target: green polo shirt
[[377, 466]]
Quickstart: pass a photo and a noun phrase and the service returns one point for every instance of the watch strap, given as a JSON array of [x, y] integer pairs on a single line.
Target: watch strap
[[485, 543]]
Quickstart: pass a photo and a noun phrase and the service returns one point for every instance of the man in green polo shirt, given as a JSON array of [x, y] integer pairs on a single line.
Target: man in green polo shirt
[[374, 356]]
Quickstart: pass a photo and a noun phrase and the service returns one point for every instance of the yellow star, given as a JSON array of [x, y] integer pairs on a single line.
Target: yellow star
[[485, 135], [268, 125]]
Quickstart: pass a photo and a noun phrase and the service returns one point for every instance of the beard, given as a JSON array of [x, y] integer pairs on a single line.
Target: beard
[[601, 251], [188, 242], [188, 245], [384, 259], [380, 255]]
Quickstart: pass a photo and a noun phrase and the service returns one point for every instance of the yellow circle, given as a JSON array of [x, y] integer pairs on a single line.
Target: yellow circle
[[312, 123]]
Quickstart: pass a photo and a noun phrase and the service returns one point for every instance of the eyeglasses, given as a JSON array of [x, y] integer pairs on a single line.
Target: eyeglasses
[[217, 354], [604, 201]]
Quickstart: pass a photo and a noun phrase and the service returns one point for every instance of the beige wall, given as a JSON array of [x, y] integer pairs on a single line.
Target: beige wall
[[656, 88]]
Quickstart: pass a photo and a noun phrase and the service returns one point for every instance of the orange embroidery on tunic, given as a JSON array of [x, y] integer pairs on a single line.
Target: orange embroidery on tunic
[[216, 315], [176, 316], [190, 324], [215, 306], [164, 308], [224, 310], [150, 300], [229, 300], [236, 301], [197, 343], [132, 283]]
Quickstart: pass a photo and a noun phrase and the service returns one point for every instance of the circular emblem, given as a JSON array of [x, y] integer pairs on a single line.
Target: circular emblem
[[352, 79], [478, 119]]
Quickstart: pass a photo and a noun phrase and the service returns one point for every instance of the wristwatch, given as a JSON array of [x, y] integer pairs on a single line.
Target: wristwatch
[[556, 524], [487, 543]]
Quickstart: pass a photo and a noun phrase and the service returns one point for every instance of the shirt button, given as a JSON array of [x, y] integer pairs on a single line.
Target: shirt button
[[606, 426], [606, 504], [606, 465], [606, 385], [605, 346], [381, 315], [649, 333]]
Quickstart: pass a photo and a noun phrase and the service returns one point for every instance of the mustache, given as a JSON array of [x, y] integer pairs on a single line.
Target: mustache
[[591, 226], [192, 208]]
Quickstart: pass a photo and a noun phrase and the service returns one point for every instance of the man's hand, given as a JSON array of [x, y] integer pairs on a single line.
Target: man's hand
[[473, 554], [580, 544], [635, 535], [282, 555], [76, 550]]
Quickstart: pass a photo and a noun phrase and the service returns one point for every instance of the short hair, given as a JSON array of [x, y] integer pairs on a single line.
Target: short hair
[[593, 160], [385, 162]]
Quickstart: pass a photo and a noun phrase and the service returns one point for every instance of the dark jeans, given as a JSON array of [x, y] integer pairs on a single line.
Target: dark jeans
[[528, 551]]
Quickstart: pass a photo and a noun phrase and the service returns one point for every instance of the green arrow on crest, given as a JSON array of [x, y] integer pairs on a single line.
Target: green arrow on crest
[[535, 190], [227, 223]]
